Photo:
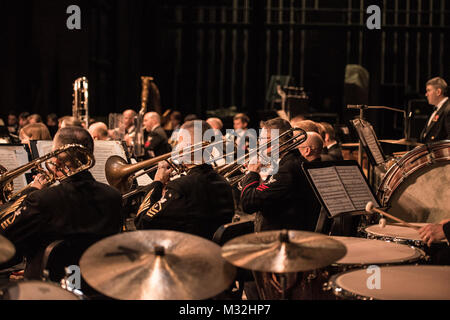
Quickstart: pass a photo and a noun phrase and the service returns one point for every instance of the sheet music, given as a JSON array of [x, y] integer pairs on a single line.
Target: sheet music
[[331, 190], [44, 147], [102, 151], [371, 141], [143, 180], [12, 157], [357, 188], [342, 188]]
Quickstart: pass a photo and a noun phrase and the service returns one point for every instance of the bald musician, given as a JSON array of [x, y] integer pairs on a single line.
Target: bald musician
[[311, 149], [155, 138], [198, 203]]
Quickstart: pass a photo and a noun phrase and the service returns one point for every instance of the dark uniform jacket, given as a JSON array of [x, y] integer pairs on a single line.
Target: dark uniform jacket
[[198, 203], [439, 128], [79, 205], [284, 201], [332, 154], [156, 143]]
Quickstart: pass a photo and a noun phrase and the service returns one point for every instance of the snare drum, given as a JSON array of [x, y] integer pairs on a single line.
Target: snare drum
[[396, 283], [399, 234], [37, 290], [415, 188]]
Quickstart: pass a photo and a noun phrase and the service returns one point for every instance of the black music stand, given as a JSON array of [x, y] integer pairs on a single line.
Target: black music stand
[[343, 191]]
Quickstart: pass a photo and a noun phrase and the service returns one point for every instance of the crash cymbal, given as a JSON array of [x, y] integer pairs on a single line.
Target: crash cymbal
[[156, 265], [7, 250], [283, 251]]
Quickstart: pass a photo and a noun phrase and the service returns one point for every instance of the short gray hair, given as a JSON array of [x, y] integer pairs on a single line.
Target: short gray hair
[[439, 83]]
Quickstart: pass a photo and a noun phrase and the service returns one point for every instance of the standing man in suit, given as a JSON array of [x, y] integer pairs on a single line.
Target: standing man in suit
[[156, 141], [438, 125]]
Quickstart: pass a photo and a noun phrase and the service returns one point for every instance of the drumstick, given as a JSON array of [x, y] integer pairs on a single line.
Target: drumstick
[[371, 209]]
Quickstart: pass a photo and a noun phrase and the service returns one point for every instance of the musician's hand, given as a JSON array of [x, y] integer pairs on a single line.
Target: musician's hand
[[254, 166], [431, 233], [163, 173], [39, 182]]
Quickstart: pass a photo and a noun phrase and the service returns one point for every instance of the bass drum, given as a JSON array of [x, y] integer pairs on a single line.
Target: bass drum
[[415, 188]]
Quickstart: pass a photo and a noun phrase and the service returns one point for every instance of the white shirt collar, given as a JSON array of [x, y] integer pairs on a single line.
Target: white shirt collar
[[440, 104], [331, 145]]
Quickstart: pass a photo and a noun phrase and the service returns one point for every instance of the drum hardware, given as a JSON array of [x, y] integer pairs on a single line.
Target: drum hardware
[[38, 290], [371, 209], [7, 250], [156, 265]]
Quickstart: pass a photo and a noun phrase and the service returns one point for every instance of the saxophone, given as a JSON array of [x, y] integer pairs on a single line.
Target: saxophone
[[80, 105]]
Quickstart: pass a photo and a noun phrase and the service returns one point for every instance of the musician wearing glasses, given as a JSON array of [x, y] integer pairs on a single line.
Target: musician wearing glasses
[[79, 205], [283, 200], [197, 203]]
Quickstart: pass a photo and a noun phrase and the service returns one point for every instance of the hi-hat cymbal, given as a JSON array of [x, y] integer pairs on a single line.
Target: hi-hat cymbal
[[283, 251], [7, 250], [156, 265]]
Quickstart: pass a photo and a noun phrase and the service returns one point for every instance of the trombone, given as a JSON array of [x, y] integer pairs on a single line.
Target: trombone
[[282, 148], [121, 175]]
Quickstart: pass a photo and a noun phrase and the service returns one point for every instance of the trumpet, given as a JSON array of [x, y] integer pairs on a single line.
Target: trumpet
[[76, 155], [240, 164]]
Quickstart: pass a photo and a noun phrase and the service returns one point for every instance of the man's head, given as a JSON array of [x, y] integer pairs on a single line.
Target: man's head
[[240, 121], [312, 147], [23, 119], [69, 121], [330, 136], [34, 118], [52, 120], [99, 131], [72, 135], [12, 119], [215, 123], [267, 128], [128, 118], [175, 119], [437, 90], [307, 125], [151, 120]]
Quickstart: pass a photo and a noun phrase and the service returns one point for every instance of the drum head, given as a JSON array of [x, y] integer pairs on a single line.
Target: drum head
[[396, 231], [362, 251], [416, 188], [396, 283], [37, 290]]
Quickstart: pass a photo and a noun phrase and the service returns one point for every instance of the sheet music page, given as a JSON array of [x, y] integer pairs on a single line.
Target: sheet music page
[[369, 136], [12, 157], [44, 147], [331, 189], [143, 180], [357, 188], [102, 151]]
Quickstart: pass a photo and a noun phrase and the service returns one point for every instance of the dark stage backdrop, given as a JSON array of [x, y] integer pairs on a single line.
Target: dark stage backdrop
[[207, 55]]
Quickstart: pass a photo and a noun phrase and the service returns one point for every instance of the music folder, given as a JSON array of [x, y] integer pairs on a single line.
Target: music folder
[[340, 186]]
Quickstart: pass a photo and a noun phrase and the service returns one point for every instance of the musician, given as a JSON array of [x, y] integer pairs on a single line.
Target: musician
[[127, 128], [155, 138], [331, 151], [438, 125], [241, 133], [281, 202], [311, 149], [99, 131], [79, 205], [198, 203], [435, 232]]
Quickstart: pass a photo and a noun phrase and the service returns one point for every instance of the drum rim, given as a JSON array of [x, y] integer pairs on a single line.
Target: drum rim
[[76, 293], [346, 294], [384, 193]]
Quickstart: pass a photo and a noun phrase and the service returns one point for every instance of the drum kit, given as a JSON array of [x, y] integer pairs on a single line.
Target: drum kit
[[286, 264]]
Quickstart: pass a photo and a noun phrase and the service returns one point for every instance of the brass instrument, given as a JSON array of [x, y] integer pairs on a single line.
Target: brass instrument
[[80, 105], [75, 155], [283, 148]]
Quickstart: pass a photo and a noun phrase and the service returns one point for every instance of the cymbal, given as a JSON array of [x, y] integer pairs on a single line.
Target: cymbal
[[403, 142], [283, 251], [156, 265], [7, 250]]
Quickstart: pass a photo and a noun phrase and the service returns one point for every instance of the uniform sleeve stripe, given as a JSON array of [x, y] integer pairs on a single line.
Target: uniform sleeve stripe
[[250, 184]]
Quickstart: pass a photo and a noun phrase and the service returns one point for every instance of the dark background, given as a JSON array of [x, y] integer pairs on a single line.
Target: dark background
[[206, 55]]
